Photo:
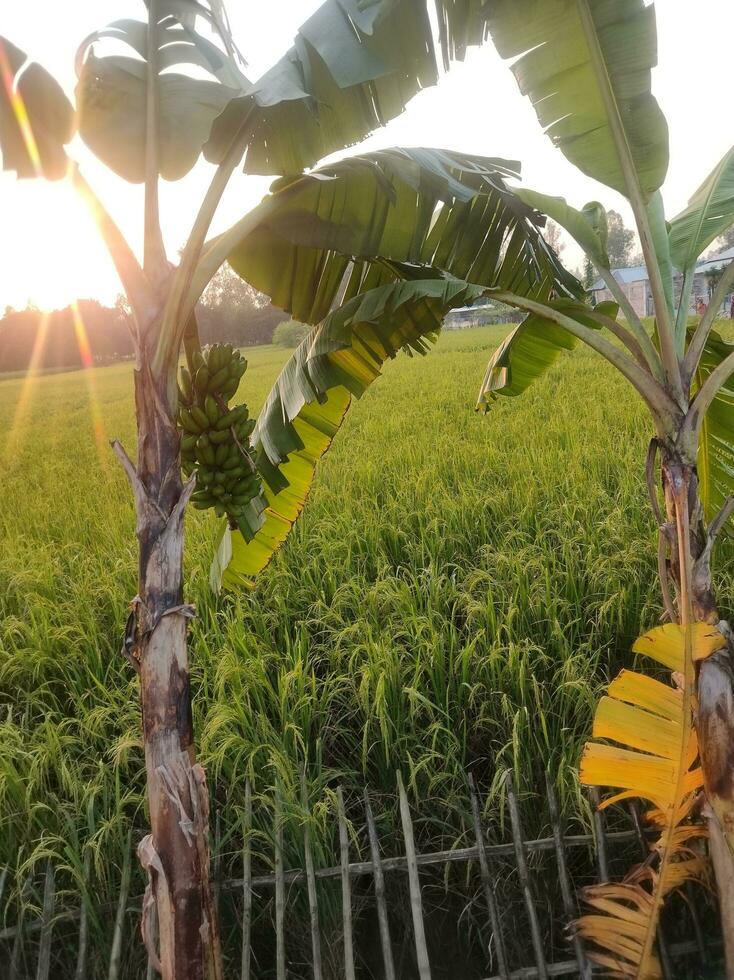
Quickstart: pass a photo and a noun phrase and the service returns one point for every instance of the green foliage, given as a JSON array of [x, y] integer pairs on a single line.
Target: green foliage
[[37, 150], [533, 347], [586, 67], [290, 333], [589, 274], [302, 414], [717, 434], [710, 212], [111, 100], [620, 240], [377, 216], [353, 67], [454, 597], [588, 227]]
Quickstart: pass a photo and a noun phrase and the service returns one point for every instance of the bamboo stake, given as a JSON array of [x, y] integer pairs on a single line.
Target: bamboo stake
[[599, 838], [569, 906], [400, 863], [116, 953], [313, 900], [522, 868], [279, 888], [81, 957], [47, 915], [346, 887], [379, 882], [691, 903], [416, 903], [246, 885], [494, 919]]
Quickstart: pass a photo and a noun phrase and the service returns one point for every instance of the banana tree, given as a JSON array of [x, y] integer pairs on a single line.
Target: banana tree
[[374, 249], [586, 67]]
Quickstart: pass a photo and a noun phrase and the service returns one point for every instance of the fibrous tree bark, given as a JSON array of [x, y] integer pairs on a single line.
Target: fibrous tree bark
[[176, 852]]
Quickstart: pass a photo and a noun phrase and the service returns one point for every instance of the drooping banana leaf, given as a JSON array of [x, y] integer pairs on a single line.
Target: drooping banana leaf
[[36, 118], [587, 227], [533, 347], [654, 758], [352, 68], [423, 206], [307, 405], [461, 24], [709, 213], [716, 442], [586, 67], [111, 98]]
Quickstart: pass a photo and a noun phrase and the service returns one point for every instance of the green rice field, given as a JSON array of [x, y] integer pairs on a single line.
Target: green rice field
[[455, 597]]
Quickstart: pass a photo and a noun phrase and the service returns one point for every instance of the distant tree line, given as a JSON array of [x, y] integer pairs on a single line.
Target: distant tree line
[[231, 311]]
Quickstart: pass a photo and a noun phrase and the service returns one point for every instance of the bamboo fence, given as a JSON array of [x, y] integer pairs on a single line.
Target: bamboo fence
[[273, 887]]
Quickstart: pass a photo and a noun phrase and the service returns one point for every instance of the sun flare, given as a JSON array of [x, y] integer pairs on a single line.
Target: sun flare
[[65, 257]]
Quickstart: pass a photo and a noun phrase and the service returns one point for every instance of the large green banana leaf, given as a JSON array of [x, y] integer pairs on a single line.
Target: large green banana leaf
[[352, 68], [533, 347], [587, 227], [586, 67], [36, 118], [111, 97], [709, 213], [716, 444], [422, 206], [307, 405]]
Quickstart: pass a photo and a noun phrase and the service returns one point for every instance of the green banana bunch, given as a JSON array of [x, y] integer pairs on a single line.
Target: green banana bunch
[[215, 439]]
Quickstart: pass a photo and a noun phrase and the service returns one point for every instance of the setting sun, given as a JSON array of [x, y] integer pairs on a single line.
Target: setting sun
[[66, 258]]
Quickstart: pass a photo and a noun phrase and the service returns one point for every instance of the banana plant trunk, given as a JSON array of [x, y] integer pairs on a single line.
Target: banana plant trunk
[[176, 852], [691, 543]]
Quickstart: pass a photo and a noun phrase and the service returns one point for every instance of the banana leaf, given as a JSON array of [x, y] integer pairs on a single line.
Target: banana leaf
[[428, 207], [340, 358], [533, 347], [586, 68]]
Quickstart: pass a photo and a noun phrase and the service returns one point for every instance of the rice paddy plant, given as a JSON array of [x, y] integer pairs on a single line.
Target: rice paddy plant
[[454, 598]]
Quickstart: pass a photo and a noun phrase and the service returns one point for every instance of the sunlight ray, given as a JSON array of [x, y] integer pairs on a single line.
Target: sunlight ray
[[19, 110], [85, 353], [28, 384]]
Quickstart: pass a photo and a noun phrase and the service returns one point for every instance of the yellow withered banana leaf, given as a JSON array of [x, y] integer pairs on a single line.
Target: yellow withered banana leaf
[[650, 751]]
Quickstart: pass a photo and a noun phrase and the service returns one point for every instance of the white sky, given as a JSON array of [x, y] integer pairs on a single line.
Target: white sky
[[49, 250]]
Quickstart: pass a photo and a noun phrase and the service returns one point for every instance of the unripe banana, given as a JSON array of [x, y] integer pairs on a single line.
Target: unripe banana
[[217, 437], [230, 388], [245, 428], [188, 422], [218, 380], [214, 360], [212, 410], [205, 451], [222, 453], [231, 418], [201, 380], [200, 418], [185, 386], [232, 462]]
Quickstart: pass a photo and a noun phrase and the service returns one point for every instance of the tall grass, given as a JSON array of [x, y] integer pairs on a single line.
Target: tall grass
[[455, 596]]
